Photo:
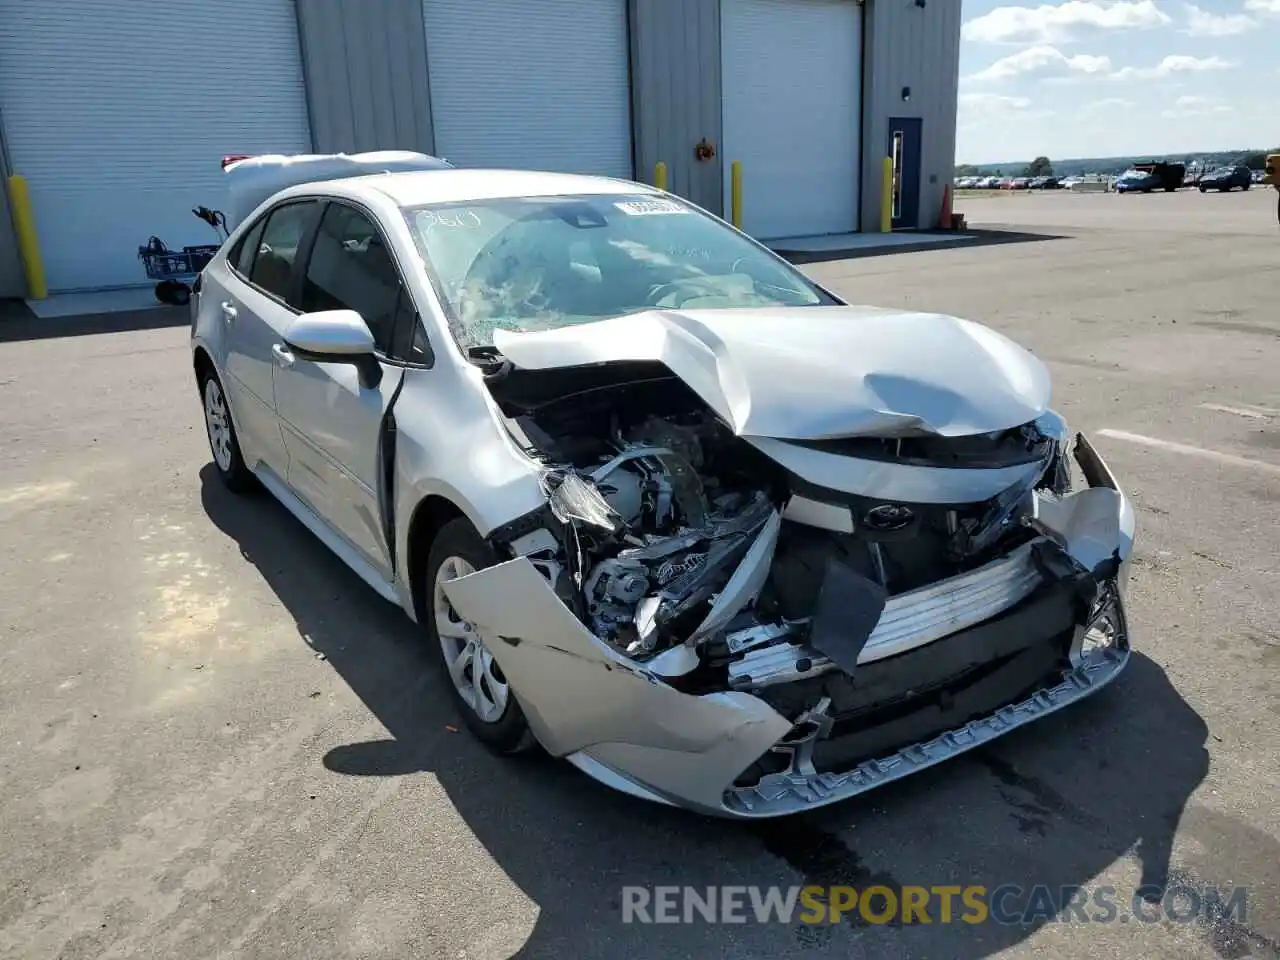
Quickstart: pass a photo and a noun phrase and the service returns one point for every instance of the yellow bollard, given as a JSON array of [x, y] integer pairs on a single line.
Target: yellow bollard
[[660, 175], [886, 197], [735, 193], [24, 225]]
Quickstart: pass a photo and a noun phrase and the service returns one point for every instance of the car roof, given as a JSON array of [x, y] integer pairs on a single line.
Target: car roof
[[417, 187]]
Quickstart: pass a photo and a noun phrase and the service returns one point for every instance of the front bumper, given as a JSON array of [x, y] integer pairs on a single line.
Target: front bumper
[[785, 794], [634, 732]]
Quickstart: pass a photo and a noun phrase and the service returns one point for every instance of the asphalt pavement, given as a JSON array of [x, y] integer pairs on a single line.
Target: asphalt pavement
[[216, 741]]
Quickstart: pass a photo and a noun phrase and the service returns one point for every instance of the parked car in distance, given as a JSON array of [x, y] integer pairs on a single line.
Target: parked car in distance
[[1225, 179], [1044, 183], [1020, 183], [1145, 177]]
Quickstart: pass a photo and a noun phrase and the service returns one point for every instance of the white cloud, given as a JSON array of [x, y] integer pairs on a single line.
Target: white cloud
[[1050, 63], [978, 107], [1191, 106], [1263, 6], [1043, 62], [988, 101], [1202, 23], [1060, 22], [1173, 64], [1108, 103]]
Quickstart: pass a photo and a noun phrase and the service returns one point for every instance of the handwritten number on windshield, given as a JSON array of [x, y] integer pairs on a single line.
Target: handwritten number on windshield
[[447, 218]]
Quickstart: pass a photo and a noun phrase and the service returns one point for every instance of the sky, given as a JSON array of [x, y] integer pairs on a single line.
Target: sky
[[1103, 78]]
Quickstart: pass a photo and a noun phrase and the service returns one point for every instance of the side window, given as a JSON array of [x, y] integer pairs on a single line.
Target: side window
[[410, 340], [242, 256], [278, 249], [351, 269]]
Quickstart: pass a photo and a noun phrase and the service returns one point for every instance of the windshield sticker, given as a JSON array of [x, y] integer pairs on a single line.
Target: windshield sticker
[[649, 208]]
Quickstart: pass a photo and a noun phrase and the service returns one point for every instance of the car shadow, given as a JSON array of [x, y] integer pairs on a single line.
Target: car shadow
[[970, 239], [1054, 805]]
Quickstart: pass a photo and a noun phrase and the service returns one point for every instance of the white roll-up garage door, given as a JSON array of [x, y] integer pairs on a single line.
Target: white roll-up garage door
[[118, 113], [792, 74], [541, 86]]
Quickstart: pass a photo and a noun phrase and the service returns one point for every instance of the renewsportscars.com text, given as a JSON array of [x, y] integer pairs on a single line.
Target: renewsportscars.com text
[[1007, 904]]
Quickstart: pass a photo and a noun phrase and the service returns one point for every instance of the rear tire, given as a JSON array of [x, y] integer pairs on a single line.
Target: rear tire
[[485, 700], [221, 430]]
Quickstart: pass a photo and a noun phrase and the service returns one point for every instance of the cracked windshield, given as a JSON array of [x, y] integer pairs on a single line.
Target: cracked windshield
[[541, 263]]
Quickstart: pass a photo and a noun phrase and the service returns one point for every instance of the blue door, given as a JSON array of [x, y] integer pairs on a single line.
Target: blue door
[[904, 149]]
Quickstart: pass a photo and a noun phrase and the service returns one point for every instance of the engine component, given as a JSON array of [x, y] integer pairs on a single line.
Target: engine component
[[613, 588], [624, 490], [633, 597], [680, 466], [654, 486]]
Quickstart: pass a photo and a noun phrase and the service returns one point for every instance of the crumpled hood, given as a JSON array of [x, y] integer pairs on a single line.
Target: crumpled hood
[[813, 373]]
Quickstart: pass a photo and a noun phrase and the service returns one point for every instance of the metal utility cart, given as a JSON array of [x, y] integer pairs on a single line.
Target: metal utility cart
[[175, 269]]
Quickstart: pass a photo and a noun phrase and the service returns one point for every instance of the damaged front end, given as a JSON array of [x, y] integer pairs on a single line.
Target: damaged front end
[[701, 619]]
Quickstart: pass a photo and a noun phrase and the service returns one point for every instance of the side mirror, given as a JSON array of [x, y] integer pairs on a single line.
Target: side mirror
[[335, 336]]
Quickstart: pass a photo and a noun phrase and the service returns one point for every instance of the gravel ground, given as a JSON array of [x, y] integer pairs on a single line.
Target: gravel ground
[[215, 741]]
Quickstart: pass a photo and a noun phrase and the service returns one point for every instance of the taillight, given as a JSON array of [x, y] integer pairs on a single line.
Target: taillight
[[235, 158]]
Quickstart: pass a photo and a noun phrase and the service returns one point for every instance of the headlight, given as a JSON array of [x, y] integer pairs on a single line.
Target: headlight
[[1051, 424]]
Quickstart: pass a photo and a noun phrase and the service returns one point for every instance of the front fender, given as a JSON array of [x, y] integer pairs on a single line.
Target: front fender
[[579, 694], [449, 444]]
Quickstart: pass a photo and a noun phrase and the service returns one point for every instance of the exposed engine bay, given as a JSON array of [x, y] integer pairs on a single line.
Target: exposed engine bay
[[753, 595], [676, 534]]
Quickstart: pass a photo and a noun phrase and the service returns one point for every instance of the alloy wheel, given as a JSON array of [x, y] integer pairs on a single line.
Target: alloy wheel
[[475, 674], [218, 422]]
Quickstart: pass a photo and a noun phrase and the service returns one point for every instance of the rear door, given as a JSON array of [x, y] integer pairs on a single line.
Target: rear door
[[332, 416], [255, 308]]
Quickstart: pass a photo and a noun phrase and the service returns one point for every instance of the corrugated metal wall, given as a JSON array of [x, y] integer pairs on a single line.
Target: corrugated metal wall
[[907, 45], [366, 72], [368, 87], [675, 90], [13, 282]]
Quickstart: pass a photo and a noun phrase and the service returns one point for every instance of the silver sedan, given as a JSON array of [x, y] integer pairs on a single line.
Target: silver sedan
[[663, 505]]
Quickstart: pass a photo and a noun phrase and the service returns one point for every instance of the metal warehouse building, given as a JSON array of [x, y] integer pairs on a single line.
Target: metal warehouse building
[[116, 113]]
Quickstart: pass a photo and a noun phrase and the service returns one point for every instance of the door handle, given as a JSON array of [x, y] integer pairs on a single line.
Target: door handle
[[228, 310], [282, 354]]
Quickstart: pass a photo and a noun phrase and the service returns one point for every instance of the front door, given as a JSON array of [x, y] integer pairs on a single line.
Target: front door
[[904, 149], [330, 413]]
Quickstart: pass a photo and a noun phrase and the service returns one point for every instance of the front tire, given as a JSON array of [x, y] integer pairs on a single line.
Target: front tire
[[221, 430], [486, 701]]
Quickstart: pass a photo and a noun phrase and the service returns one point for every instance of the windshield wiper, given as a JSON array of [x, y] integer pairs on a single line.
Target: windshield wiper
[[490, 360]]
